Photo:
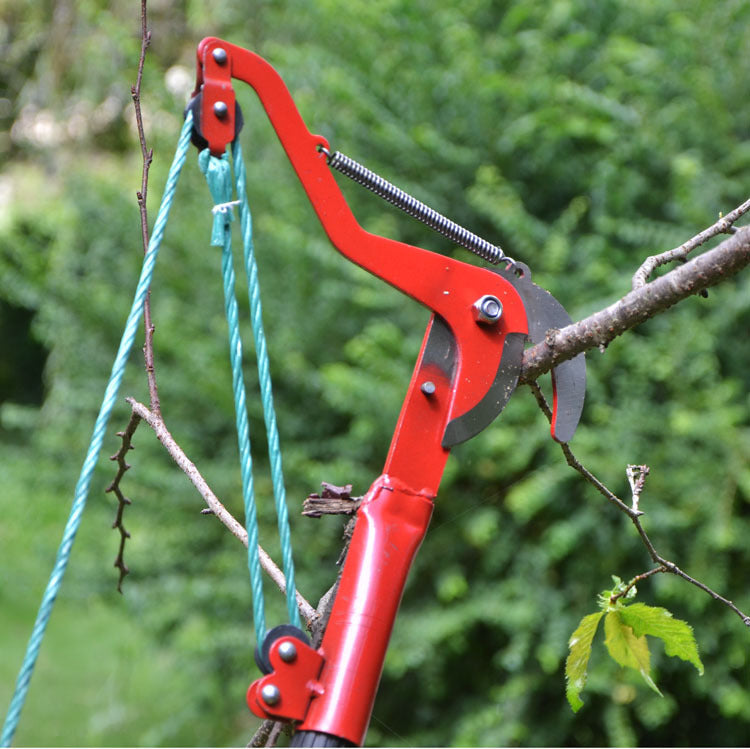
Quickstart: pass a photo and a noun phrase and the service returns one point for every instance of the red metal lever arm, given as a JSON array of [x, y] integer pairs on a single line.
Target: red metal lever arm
[[446, 286], [394, 516]]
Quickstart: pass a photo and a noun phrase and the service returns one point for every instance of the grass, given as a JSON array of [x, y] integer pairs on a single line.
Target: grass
[[102, 678]]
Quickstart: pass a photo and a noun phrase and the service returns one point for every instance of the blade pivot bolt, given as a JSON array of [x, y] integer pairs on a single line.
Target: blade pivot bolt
[[220, 56], [488, 309]]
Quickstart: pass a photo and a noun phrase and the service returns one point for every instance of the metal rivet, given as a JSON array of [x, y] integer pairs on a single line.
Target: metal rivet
[[488, 309], [428, 388], [221, 110], [287, 651], [270, 694], [220, 56]]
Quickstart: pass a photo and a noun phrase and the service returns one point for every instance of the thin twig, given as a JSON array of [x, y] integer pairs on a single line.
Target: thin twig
[[122, 501], [147, 156], [634, 514], [156, 423], [675, 570], [275, 733], [635, 581], [575, 464], [725, 225]]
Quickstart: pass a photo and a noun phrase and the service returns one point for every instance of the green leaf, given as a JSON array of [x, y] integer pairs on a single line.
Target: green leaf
[[578, 658], [627, 649], [658, 622]]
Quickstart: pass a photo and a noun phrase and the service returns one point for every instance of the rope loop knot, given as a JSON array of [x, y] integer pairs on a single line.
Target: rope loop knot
[[218, 173]]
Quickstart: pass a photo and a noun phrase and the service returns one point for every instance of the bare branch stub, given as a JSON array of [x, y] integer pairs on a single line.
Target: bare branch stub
[[333, 500], [122, 501], [637, 480]]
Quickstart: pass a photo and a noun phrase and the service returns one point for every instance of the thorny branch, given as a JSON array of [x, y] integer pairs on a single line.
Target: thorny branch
[[147, 155], [148, 346], [127, 444], [639, 477]]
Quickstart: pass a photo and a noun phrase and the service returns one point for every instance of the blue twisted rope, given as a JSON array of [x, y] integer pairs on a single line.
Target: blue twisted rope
[[264, 377], [97, 438], [219, 178]]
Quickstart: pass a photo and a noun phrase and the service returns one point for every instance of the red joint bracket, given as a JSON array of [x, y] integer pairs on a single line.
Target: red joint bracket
[[217, 115], [285, 693]]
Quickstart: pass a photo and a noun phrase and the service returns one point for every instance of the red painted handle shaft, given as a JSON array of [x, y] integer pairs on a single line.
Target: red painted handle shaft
[[391, 524]]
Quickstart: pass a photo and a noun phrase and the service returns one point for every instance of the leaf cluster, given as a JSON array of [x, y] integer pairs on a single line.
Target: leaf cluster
[[625, 628]]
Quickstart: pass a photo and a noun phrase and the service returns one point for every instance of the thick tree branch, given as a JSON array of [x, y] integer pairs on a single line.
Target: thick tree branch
[[156, 423], [708, 269]]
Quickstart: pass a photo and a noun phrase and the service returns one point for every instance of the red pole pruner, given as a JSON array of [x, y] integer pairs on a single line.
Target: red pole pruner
[[466, 371]]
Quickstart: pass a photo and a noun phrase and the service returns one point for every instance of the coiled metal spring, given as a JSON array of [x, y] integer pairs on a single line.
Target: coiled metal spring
[[415, 208]]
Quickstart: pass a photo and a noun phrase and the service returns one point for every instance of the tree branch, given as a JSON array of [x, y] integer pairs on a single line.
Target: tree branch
[[667, 566], [635, 581], [156, 423], [122, 501], [637, 483], [725, 225], [708, 269], [147, 155], [575, 464]]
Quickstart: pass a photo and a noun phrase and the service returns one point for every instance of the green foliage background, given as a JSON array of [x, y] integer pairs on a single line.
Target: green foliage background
[[580, 135]]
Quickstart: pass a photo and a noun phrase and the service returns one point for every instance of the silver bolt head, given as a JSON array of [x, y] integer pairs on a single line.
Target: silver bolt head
[[488, 309], [428, 387], [287, 651], [221, 110], [270, 694], [220, 56]]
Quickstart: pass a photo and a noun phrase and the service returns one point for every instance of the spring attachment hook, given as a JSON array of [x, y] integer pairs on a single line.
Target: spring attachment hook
[[415, 208]]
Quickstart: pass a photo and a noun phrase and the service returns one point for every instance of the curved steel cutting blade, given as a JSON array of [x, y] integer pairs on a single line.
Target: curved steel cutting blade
[[544, 313], [464, 427]]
